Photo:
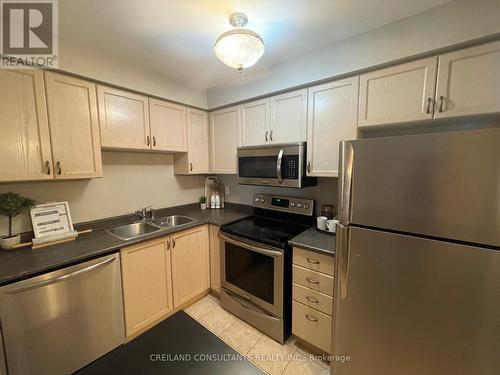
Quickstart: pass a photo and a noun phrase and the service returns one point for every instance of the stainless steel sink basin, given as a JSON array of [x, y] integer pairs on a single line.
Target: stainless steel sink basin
[[172, 221], [130, 231]]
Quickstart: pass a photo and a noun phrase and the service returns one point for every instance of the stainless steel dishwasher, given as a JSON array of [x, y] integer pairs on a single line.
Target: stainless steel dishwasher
[[59, 322]]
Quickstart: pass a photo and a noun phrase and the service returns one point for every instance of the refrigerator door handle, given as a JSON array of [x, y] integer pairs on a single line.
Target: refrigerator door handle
[[343, 259], [346, 159]]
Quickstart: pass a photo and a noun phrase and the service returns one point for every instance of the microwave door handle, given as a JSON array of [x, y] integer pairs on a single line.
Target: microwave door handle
[[278, 166]]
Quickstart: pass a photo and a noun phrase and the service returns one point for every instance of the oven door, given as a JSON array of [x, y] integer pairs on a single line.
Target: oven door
[[279, 165], [253, 271]]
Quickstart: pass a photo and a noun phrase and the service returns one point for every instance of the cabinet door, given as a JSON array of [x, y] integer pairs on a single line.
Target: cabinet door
[[332, 117], [196, 160], [469, 81], [146, 284], [168, 126], [215, 246], [124, 119], [224, 126], [289, 117], [74, 127], [254, 122], [190, 264], [25, 152], [398, 94]]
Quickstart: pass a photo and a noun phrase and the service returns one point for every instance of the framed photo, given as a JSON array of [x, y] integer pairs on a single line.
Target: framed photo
[[51, 219]]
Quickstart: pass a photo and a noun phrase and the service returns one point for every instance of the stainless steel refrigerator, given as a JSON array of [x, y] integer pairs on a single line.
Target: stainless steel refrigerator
[[418, 255]]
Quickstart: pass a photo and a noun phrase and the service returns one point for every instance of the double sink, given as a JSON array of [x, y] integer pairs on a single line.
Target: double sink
[[142, 228]]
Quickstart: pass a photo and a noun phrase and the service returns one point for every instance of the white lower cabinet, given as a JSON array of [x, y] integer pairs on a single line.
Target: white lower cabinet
[[312, 298], [215, 251], [162, 276], [332, 117]]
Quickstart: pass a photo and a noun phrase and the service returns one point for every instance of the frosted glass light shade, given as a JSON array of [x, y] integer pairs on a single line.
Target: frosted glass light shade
[[239, 48]]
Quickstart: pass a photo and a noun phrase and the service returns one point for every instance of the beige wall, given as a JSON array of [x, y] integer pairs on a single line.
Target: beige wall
[[131, 181], [324, 192], [99, 66], [446, 25]]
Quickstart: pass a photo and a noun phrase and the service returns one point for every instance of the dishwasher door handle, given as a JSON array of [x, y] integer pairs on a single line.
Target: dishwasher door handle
[[57, 279]]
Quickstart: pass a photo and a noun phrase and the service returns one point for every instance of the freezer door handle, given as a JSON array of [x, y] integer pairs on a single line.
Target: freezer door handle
[[343, 258], [346, 159]]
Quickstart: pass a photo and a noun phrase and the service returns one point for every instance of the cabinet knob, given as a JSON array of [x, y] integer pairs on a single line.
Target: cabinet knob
[[154, 141], [59, 167], [173, 243], [168, 244], [148, 142], [266, 135], [309, 167], [47, 164], [271, 135]]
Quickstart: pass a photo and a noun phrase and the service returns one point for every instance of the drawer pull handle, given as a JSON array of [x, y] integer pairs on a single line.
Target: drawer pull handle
[[312, 299], [311, 318], [312, 281], [312, 261]]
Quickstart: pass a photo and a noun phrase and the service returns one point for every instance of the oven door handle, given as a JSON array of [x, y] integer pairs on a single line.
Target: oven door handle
[[250, 245], [278, 166]]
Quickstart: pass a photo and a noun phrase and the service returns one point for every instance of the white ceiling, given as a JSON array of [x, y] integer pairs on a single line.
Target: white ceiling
[[175, 38]]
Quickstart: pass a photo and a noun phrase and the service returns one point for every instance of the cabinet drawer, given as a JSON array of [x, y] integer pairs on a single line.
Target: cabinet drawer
[[312, 279], [312, 326], [313, 261], [313, 298]]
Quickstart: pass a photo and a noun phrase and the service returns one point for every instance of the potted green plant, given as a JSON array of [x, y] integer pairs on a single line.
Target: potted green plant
[[11, 205], [203, 202]]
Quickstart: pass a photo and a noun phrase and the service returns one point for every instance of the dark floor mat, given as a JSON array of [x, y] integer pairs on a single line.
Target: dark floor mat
[[178, 345]]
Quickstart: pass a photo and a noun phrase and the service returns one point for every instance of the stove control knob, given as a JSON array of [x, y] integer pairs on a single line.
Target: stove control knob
[[257, 199], [262, 200], [292, 204], [306, 205], [299, 205]]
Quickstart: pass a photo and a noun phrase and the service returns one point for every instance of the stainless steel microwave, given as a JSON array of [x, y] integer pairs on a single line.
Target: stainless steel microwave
[[282, 165]]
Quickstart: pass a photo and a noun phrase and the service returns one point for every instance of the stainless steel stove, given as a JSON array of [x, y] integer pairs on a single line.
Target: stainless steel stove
[[256, 262]]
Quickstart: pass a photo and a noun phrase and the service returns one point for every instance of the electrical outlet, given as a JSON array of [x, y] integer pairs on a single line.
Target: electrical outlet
[[226, 190]]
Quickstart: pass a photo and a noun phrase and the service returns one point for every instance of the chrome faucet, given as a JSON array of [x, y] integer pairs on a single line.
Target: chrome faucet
[[146, 213]]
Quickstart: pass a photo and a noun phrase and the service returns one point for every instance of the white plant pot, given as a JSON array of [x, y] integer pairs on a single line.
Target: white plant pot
[[203, 206], [7, 243]]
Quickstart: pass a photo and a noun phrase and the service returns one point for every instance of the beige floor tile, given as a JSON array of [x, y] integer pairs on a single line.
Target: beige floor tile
[[301, 364], [217, 320], [202, 307], [292, 342], [270, 355], [320, 358], [241, 336]]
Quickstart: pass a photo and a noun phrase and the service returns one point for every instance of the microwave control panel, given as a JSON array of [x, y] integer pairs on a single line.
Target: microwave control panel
[[290, 167]]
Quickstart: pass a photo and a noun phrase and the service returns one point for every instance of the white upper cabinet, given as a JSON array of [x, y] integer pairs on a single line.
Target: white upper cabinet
[[74, 127], [25, 152], [254, 122], [332, 117], [124, 119], [224, 125], [196, 160], [168, 126], [289, 117], [401, 93], [469, 81]]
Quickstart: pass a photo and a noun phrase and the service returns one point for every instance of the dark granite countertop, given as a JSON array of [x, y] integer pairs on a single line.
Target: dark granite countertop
[[313, 239], [23, 263]]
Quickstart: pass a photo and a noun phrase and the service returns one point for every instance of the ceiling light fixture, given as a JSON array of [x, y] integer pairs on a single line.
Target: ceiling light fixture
[[239, 48]]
